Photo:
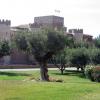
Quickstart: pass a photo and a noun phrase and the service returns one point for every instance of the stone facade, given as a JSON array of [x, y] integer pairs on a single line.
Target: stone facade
[[42, 22], [52, 22], [5, 29], [77, 34]]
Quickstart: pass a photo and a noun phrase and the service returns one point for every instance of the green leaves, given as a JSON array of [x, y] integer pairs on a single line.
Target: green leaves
[[41, 43], [21, 42], [56, 41], [97, 42], [4, 48], [38, 43]]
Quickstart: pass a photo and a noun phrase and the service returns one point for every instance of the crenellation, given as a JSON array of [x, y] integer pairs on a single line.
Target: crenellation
[[6, 22], [75, 30]]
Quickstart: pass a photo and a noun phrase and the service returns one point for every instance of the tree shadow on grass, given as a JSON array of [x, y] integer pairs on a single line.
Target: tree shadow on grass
[[72, 73], [14, 74]]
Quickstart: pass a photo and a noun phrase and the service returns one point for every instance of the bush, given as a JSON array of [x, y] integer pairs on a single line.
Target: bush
[[79, 58], [93, 73], [88, 70], [94, 56]]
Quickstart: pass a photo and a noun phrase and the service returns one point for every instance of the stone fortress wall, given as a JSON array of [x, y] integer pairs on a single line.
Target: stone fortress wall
[[78, 34], [5, 32], [56, 22]]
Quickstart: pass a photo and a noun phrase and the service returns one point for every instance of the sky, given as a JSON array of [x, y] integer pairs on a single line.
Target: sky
[[77, 13]]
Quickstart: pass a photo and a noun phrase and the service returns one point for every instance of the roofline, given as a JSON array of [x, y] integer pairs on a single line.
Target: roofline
[[50, 16]]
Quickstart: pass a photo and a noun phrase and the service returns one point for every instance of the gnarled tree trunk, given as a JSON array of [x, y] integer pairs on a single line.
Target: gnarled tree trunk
[[62, 71], [43, 66], [44, 72]]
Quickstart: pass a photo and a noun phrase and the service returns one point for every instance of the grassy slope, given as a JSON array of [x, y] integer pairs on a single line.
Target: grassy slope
[[74, 87]]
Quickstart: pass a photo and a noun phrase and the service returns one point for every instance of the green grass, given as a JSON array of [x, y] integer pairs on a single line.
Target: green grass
[[16, 86]]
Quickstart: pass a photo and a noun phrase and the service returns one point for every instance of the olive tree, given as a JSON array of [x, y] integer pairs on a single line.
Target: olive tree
[[79, 58], [97, 42], [60, 61], [43, 45], [94, 56]]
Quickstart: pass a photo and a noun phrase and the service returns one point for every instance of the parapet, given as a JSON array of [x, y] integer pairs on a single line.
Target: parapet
[[6, 22], [75, 30]]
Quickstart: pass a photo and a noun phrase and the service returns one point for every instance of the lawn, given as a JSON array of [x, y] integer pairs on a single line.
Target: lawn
[[18, 86]]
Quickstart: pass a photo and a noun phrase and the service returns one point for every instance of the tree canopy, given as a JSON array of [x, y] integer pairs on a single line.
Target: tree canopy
[[4, 48], [43, 45]]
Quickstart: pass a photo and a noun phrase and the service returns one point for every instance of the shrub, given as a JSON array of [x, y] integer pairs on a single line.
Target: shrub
[[88, 70], [79, 58], [93, 73], [94, 56]]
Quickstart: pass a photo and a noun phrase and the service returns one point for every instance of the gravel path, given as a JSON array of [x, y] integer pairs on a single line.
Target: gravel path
[[33, 69]]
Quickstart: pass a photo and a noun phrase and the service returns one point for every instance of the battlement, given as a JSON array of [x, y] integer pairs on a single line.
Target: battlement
[[75, 30], [6, 22]]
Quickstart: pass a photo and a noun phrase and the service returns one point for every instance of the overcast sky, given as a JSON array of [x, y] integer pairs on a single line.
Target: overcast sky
[[77, 13]]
